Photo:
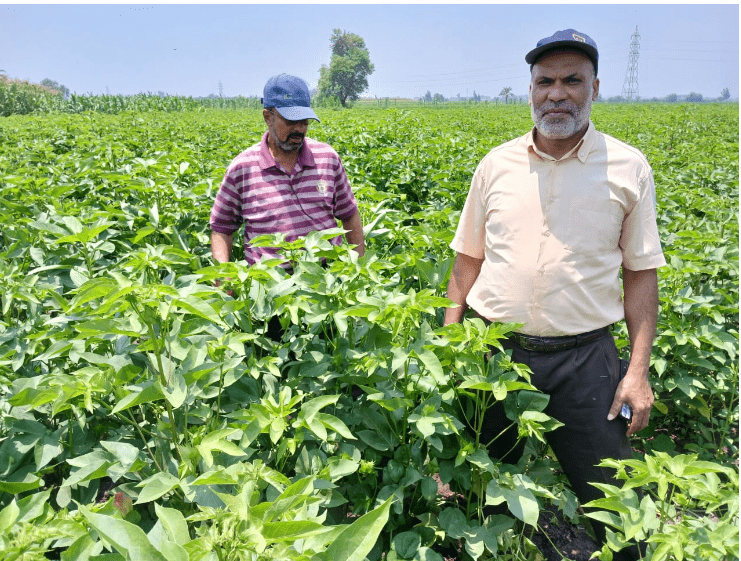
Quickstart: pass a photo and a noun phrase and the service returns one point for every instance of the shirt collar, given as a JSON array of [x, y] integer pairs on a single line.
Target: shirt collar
[[581, 151], [266, 159]]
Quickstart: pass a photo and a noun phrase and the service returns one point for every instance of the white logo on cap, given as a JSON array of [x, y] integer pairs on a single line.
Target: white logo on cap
[[578, 38]]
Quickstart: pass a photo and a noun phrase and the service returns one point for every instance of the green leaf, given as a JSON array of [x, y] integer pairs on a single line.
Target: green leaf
[[432, 363], [144, 393], [291, 530], [216, 441], [82, 549], [23, 479], [129, 540], [173, 523], [176, 390], [454, 522], [313, 406], [8, 516], [156, 486], [200, 308], [335, 424], [378, 441], [520, 499], [356, 541], [406, 544]]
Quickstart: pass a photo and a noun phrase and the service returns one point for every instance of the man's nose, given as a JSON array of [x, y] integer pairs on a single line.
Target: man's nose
[[557, 92]]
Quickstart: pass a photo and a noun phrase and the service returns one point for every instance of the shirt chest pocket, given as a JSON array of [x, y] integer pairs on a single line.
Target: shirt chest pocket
[[594, 225], [318, 193]]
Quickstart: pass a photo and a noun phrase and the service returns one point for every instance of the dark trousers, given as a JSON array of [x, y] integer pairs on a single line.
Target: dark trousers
[[581, 383]]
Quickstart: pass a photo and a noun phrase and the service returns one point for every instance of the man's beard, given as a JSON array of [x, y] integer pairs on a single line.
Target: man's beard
[[563, 125], [288, 146]]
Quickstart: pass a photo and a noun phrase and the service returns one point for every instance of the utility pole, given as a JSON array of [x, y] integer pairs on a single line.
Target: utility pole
[[630, 86]]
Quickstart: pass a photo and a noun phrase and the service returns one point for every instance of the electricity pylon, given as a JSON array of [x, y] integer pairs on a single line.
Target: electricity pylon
[[630, 86]]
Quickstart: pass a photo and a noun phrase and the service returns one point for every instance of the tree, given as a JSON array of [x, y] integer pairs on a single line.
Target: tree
[[51, 84], [671, 98], [438, 98], [725, 94], [506, 92], [428, 97], [693, 97], [346, 77]]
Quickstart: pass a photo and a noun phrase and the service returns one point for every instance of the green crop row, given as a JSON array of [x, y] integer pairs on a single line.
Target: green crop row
[[146, 414], [24, 98]]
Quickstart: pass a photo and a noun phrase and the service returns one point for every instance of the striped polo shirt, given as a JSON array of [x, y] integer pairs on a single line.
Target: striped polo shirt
[[257, 192]]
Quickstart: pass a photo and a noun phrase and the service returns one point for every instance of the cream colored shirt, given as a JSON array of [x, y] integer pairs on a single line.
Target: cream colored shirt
[[554, 234]]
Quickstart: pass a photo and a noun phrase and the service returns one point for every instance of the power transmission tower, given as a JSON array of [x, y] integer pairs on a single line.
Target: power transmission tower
[[630, 86], [221, 89]]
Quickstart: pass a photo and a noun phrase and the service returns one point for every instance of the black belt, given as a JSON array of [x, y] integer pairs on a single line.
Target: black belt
[[552, 344]]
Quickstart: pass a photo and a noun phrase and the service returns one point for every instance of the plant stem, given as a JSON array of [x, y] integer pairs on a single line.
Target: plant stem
[[141, 435]]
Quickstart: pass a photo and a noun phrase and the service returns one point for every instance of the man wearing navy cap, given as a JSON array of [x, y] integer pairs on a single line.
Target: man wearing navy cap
[[287, 183], [551, 220]]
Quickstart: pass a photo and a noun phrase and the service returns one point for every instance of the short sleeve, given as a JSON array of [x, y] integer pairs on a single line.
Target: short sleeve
[[226, 215], [470, 235], [639, 241]]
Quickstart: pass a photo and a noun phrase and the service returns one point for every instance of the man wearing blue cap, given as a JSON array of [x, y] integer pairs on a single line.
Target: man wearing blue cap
[[287, 183], [550, 221]]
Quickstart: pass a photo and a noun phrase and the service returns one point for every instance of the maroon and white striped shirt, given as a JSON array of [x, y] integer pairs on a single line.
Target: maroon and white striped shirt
[[257, 192]]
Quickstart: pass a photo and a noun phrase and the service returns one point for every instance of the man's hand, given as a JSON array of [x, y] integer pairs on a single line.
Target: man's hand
[[635, 390]]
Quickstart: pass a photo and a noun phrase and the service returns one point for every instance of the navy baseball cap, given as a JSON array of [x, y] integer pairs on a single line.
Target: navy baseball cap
[[566, 39], [290, 97]]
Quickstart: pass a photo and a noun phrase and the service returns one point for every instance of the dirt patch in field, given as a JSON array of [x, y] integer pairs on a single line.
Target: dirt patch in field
[[558, 539]]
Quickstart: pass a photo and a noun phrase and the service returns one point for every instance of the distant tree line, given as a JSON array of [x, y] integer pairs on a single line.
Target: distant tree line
[[691, 97], [505, 95]]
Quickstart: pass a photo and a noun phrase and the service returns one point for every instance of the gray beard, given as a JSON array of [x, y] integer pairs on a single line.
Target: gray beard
[[285, 146], [558, 128]]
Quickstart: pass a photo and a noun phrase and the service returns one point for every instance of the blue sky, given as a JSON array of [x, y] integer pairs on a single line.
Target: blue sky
[[444, 48]]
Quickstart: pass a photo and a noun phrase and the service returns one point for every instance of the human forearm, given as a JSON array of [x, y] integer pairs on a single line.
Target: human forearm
[[354, 235], [221, 246], [465, 271], [641, 304]]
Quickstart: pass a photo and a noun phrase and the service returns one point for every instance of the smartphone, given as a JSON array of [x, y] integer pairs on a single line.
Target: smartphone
[[625, 411]]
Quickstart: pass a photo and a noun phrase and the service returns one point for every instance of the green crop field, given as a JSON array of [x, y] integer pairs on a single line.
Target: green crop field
[[146, 416]]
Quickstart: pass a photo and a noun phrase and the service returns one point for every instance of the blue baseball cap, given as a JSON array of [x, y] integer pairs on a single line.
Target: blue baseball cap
[[290, 97], [566, 39]]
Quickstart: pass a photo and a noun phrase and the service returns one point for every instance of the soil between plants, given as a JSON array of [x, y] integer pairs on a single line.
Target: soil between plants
[[571, 541]]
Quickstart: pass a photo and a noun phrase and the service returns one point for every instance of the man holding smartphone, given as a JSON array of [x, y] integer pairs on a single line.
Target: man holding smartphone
[[551, 220]]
